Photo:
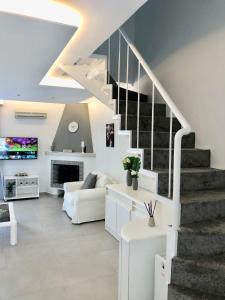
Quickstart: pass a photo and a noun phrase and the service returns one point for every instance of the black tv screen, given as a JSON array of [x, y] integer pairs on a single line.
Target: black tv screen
[[16, 148]]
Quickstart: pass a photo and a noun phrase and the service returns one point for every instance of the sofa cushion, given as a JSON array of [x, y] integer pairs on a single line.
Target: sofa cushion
[[102, 179], [89, 182]]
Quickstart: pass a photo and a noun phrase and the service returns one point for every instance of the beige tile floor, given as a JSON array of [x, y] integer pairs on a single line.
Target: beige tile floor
[[55, 259]]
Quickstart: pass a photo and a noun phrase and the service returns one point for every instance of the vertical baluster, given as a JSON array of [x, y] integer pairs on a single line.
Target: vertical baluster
[[127, 79], [152, 127], [170, 154], [119, 59], [109, 58], [138, 105]]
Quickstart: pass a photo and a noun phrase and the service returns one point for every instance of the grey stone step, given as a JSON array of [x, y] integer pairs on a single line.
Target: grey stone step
[[179, 293], [204, 238], [201, 206], [145, 108], [160, 123], [196, 179], [190, 158], [200, 274], [161, 139], [132, 96]]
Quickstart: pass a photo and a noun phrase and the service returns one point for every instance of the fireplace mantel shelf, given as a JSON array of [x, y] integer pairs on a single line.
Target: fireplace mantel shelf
[[75, 154]]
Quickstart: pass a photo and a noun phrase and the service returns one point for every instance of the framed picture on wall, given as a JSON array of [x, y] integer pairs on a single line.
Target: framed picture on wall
[[110, 135]]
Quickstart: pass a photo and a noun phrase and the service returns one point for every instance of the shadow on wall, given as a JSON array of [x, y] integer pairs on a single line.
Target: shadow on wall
[[163, 27]]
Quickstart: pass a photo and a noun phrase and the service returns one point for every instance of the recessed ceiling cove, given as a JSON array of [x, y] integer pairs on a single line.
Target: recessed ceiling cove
[[29, 47]]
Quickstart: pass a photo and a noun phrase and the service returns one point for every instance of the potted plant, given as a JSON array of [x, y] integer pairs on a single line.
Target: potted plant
[[127, 165], [136, 164], [10, 188]]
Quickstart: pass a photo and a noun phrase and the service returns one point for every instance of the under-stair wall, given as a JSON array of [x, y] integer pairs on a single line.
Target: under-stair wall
[[109, 160]]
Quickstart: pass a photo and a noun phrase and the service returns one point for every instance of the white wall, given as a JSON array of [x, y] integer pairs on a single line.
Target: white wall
[[184, 43], [108, 160], [43, 129]]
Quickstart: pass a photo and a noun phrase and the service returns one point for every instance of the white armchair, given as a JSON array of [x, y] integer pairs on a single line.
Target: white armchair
[[86, 205]]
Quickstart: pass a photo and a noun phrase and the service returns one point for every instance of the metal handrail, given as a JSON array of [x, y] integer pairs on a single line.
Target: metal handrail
[[156, 82]]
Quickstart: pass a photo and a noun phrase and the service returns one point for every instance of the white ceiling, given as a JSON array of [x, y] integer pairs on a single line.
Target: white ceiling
[[99, 19], [31, 47]]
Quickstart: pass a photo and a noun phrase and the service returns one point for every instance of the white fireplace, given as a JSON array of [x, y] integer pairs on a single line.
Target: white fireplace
[[85, 163]]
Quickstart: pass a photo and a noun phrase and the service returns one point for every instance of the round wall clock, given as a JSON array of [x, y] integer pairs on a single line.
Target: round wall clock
[[73, 127]]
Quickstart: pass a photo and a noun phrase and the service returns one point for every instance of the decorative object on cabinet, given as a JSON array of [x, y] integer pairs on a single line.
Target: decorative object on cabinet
[[135, 183], [136, 164], [129, 178], [83, 147], [127, 165], [67, 150], [151, 210], [110, 135]]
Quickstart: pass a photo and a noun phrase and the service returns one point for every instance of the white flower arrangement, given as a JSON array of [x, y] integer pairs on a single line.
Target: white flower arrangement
[[126, 160], [134, 173]]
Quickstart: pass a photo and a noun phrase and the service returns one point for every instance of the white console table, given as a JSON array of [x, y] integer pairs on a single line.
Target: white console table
[[139, 244], [124, 205], [20, 187]]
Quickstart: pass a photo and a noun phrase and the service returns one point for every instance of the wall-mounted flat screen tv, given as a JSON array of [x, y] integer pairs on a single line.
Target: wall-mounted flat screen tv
[[16, 148]]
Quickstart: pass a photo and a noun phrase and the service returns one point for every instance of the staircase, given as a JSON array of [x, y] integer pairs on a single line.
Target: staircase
[[198, 268]]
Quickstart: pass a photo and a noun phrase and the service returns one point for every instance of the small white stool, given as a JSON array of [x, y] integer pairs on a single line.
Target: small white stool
[[12, 223]]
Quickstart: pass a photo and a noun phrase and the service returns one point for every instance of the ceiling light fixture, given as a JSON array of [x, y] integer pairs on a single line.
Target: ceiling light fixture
[[64, 82]]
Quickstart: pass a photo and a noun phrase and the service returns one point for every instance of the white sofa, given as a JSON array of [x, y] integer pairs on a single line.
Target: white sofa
[[86, 205]]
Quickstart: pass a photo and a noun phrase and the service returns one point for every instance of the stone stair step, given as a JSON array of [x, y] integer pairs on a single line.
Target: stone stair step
[[179, 293], [145, 124], [201, 206], [145, 108], [132, 95], [205, 275], [202, 238], [161, 139], [193, 179], [190, 158]]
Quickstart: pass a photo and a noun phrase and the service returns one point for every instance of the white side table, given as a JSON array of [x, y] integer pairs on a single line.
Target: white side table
[[139, 244], [12, 223]]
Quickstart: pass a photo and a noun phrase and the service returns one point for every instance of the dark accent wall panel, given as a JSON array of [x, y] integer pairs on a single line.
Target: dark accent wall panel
[[67, 140]]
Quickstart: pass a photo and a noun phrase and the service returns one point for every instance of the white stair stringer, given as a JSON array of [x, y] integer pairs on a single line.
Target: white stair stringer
[[148, 179], [91, 73]]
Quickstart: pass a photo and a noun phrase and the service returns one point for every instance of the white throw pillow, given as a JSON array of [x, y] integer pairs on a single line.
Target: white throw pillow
[[102, 179]]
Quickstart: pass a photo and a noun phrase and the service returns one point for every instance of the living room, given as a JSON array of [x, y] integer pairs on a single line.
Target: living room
[[112, 181]]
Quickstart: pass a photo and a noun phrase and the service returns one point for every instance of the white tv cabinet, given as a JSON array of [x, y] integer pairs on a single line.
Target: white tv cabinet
[[20, 187]]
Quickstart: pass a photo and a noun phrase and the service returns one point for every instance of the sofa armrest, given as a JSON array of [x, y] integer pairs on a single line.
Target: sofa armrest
[[72, 186], [90, 194]]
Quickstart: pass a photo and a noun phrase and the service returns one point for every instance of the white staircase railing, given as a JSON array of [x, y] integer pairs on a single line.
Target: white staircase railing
[[174, 172]]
